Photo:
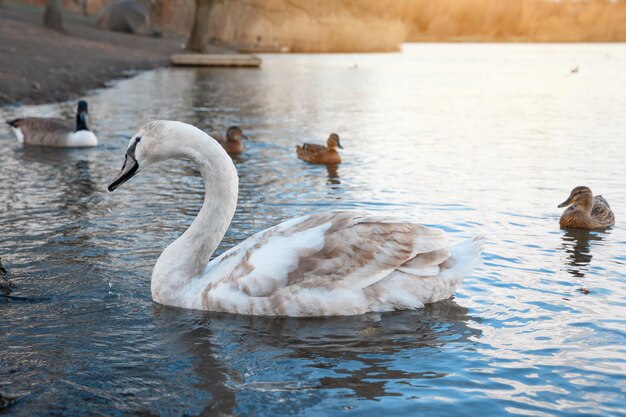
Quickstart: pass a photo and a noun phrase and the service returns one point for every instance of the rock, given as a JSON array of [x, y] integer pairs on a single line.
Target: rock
[[370, 331], [7, 400], [6, 286]]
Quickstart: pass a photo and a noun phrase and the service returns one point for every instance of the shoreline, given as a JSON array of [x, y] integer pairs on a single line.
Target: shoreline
[[45, 66], [42, 66]]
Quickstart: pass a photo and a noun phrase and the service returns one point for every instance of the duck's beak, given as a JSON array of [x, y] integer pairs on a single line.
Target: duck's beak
[[339, 145], [566, 202], [129, 169], [245, 137]]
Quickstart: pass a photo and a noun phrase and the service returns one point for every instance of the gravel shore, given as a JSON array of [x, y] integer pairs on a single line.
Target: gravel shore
[[40, 65]]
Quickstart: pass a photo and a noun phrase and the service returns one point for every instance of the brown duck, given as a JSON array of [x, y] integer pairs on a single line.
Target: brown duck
[[586, 211], [232, 143], [320, 154]]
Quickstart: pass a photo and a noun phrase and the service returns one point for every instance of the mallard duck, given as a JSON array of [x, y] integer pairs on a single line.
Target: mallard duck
[[40, 131], [586, 211], [320, 154], [232, 142], [323, 264]]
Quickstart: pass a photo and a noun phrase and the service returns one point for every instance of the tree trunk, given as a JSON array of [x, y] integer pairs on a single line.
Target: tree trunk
[[52, 17], [197, 39]]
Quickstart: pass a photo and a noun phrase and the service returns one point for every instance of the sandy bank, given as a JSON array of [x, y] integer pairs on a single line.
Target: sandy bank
[[41, 65]]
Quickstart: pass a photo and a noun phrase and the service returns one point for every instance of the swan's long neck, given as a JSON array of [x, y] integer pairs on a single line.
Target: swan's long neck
[[187, 257]]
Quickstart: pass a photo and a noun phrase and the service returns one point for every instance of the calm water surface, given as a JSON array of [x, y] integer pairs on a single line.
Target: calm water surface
[[472, 139]]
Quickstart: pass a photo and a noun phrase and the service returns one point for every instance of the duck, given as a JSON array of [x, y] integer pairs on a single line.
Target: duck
[[320, 264], [320, 154], [232, 143], [40, 131], [586, 211]]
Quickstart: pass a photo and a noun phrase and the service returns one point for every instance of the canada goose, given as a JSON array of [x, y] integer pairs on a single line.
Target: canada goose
[[40, 131]]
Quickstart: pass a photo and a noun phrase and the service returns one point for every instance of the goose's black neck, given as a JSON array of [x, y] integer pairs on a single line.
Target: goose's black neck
[[81, 116], [81, 122]]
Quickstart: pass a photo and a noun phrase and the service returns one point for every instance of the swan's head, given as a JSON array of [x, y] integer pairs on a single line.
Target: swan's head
[[577, 196], [154, 142]]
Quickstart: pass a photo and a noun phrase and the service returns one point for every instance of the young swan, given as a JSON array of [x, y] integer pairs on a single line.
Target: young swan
[[39, 131], [338, 263], [586, 211], [319, 154], [232, 143]]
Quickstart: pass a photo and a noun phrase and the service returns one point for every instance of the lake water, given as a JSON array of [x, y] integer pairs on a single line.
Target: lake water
[[473, 139]]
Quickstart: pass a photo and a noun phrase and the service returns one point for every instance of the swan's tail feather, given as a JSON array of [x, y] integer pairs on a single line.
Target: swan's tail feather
[[464, 258]]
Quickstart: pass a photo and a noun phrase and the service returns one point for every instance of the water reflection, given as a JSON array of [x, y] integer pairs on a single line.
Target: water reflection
[[349, 353], [577, 245], [82, 258], [333, 174], [200, 342]]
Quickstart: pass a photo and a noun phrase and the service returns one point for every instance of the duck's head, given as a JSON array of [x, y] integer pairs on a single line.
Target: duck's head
[[333, 141], [157, 141], [82, 111], [235, 133], [579, 196]]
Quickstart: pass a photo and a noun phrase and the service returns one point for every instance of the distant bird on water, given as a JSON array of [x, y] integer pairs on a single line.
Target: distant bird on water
[[574, 70], [320, 154], [586, 211], [40, 131], [232, 143]]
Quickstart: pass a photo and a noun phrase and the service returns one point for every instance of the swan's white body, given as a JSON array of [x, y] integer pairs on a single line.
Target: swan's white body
[[339, 263]]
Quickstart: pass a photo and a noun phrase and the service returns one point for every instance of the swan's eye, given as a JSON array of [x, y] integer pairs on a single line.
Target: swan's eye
[[137, 139]]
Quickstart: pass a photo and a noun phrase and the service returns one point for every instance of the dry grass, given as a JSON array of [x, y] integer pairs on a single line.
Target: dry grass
[[381, 25], [520, 20]]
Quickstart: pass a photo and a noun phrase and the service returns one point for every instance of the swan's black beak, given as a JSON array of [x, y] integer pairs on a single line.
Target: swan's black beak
[[565, 203], [129, 169]]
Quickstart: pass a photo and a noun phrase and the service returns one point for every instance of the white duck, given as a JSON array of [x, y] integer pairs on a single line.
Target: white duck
[[40, 131], [339, 263]]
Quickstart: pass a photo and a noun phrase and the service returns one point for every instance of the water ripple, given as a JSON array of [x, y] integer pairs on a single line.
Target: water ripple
[[444, 133]]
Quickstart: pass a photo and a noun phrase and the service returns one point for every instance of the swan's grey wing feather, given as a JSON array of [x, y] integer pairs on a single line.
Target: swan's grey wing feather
[[331, 250], [44, 131]]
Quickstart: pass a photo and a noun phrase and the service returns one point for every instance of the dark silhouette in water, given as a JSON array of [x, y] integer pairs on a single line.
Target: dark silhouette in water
[[333, 174], [6, 286], [576, 243]]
